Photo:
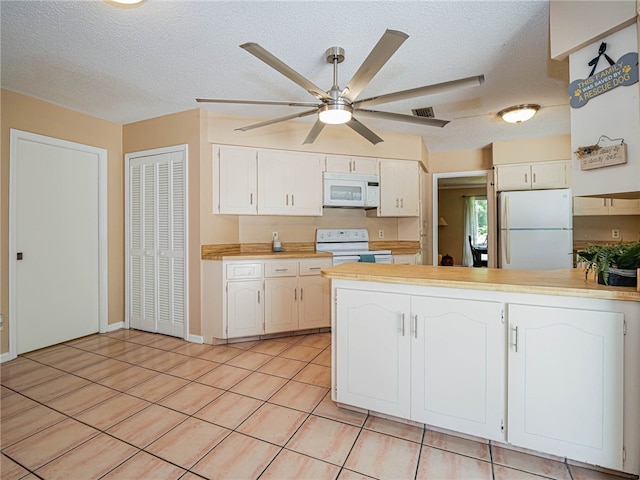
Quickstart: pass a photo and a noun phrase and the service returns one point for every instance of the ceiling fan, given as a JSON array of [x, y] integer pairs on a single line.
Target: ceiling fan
[[338, 106]]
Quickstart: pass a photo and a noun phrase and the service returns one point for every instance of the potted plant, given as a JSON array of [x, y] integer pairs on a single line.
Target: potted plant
[[612, 264]]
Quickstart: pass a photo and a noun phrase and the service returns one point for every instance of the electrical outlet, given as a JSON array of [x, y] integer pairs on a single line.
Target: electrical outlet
[[615, 233], [380, 233], [275, 236]]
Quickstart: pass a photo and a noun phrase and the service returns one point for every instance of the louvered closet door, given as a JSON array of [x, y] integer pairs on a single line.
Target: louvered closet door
[[157, 241]]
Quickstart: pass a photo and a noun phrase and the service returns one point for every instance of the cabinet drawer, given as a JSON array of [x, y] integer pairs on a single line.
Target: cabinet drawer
[[237, 271], [313, 266], [281, 269]]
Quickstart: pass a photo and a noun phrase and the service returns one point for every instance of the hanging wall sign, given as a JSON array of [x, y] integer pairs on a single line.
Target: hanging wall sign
[[615, 74], [595, 156]]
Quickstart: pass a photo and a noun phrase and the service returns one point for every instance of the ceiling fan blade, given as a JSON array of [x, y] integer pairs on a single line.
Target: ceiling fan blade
[[421, 91], [274, 62], [381, 53], [431, 122], [364, 131], [257, 102], [315, 131], [277, 120]]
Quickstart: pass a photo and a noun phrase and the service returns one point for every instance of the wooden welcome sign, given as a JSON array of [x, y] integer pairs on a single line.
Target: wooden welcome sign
[[599, 157]]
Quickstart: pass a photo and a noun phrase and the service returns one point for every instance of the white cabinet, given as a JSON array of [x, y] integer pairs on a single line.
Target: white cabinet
[[566, 382], [373, 351], [237, 180], [399, 188], [605, 206], [244, 308], [289, 183], [433, 360], [404, 259], [245, 298], [458, 365], [533, 176], [360, 165], [296, 296]]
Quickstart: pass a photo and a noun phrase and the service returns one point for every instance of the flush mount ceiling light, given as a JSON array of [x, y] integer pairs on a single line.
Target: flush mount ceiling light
[[518, 113], [335, 114], [125, 3]]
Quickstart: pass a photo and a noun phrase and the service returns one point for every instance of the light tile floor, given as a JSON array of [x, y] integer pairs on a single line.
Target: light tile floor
[[135, 405]]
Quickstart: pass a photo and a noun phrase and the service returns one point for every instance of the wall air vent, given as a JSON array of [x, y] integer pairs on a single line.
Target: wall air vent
[[423, 112]]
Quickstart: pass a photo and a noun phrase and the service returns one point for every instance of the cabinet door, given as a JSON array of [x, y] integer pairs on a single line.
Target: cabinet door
[[365, 165], [315, 302], [280, 304], [590, 206], [458, 365], [273, 179], [549, 175], [399, 188], [238, 178], [360, 165], [305, 185], [565, 382], [619, 206], [244, 308], [513, 177], [373, 351], [404, 259]]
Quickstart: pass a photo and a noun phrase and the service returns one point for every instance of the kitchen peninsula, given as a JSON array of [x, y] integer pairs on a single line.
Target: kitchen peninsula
[[541, 360]]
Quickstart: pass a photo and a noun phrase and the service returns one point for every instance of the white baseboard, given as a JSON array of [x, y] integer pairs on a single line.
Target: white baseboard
[[195, 339], [5, 357], [112, 327]]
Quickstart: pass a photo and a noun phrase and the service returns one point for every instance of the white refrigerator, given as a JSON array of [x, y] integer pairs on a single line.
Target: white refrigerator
[[535, 229]]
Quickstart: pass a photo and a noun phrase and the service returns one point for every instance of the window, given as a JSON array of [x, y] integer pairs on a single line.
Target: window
[[480, 228]]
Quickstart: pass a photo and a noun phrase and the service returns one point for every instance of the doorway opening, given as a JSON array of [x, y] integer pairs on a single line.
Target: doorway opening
[[463, 207]]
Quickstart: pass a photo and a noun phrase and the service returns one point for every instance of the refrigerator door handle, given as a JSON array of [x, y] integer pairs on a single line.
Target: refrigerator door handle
[[507, 232]]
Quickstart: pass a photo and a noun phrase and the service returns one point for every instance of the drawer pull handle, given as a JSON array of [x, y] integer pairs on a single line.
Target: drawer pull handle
[[315, 268], [282, 269]]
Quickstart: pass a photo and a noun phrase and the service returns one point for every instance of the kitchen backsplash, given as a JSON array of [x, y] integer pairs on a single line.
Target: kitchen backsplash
[[596, 228]]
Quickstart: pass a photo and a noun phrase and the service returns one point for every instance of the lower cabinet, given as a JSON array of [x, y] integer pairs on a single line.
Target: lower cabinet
[[566, 382], [434, 360], [246, 298], [245, 314], [545, 378]]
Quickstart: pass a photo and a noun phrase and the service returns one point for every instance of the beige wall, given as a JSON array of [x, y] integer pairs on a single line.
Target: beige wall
[[598, 228], [532, 150], [595, 18], [461, 161], [31, 115]]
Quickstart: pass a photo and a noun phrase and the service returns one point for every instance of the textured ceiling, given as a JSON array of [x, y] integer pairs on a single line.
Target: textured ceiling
[[130, 64]]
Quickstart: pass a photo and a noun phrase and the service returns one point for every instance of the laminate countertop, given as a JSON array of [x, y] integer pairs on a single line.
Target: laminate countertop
[[568, 282]]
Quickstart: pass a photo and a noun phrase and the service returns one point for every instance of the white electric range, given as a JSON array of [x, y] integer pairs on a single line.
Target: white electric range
[[349, 245]]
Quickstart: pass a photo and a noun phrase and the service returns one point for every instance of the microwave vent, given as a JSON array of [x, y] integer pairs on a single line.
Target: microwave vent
[[423, 112]]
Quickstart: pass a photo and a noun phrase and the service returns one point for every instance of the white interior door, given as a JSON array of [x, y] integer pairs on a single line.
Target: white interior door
[[156, 289], [58, 253]]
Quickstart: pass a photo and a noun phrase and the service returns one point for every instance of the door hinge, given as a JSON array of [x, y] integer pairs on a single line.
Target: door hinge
[[227, 287], [502, 315], [502, 425], [624, 454], [624, 327]]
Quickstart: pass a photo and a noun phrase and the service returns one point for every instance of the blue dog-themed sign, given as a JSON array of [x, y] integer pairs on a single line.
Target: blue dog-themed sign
[[621, 73]]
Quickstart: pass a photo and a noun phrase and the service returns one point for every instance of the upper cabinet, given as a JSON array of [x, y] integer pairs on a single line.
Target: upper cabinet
[[289, 183], [237, 180], [399, 188], [533, 176], [583, 206], [360, 165]]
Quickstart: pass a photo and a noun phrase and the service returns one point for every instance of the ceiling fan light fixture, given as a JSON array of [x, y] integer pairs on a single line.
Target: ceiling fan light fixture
[[335, 114], [518, 113]]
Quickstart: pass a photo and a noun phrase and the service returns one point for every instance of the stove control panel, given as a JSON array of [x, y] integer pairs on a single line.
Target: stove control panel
[[334, 235]]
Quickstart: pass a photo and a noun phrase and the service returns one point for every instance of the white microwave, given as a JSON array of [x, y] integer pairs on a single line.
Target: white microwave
[[351, 190]]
